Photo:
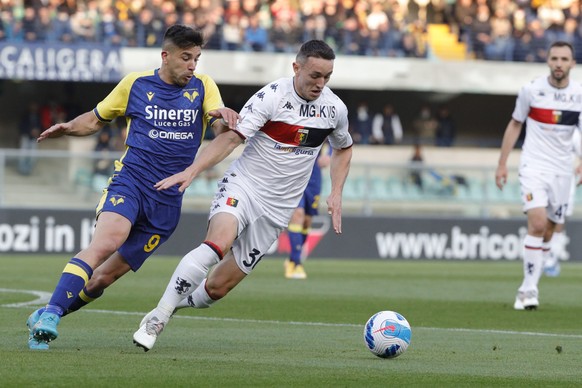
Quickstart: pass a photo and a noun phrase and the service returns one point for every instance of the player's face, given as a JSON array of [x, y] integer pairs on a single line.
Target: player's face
[[311, 77], [179, 64], [560, 62]]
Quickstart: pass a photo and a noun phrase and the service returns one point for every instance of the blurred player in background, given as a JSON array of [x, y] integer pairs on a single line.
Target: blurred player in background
[[285, 124], [559, 238], [550, 106], [167, 111], [302, 218]]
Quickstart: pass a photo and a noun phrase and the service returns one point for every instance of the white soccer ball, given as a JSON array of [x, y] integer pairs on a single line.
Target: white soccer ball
[[387, 334]]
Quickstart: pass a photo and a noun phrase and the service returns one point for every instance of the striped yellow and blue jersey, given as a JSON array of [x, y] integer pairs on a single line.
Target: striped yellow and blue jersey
[[165, 127]]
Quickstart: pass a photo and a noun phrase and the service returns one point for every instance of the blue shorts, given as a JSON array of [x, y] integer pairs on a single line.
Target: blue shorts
[[152, 222], [310, 199]]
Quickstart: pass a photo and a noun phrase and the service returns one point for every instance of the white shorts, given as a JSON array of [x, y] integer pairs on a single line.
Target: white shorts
[[257, 230], [549, 191]]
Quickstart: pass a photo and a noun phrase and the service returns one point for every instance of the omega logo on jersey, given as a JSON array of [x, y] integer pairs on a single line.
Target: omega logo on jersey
[[155, 134], [563, 97], [323, 111]]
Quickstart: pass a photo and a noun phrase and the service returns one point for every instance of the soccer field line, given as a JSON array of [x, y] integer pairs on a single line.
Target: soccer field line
[[43, 297]]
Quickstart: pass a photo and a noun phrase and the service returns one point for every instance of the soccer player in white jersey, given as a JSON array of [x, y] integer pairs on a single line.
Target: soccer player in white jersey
[[284, 126], [550, 106]]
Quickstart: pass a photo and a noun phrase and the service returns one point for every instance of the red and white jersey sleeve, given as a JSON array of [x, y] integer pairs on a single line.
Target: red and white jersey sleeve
[[284, 134], [551, 116]]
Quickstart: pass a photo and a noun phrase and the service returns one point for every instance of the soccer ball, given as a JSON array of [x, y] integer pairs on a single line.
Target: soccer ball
[[387, 334]]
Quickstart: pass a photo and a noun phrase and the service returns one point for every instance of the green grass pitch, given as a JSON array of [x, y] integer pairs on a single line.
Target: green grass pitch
[[273, 332]]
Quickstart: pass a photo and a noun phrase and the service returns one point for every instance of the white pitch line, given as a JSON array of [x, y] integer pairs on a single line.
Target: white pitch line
[[43, 297]]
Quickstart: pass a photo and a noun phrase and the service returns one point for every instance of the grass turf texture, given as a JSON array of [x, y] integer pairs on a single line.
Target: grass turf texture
[[273, 332]]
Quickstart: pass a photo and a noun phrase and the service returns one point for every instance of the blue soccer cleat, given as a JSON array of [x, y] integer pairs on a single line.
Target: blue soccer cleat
[[552, 270], [33, 343], [46, 327]]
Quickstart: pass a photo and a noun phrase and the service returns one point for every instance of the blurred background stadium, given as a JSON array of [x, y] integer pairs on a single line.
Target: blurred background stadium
[[445, 74]]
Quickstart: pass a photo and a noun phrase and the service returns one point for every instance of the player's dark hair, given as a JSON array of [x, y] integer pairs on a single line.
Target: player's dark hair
[[183, 37], [561, 43], [315, 48]]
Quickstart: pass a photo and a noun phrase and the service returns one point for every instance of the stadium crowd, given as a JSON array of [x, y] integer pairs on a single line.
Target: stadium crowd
[[503, 30]]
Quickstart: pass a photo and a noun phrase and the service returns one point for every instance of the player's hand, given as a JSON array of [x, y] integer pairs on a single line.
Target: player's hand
[[56, 130], [501, 176], [182, 179], [334, 209], [229, 117]]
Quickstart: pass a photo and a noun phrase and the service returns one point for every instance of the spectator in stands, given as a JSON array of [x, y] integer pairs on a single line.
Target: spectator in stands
[[109, 30], [30, 25], [30, 127], [464, 14], [61, 31], [411, 45], [283, 35], [232, 34], [480, 32], [84, 22], [127, 29], [539, 41], [446, 130], [334, 14], [386, 126], [255, 35], [44, 24], [149, 31], [424, 126], [501, 45], [362, 124]]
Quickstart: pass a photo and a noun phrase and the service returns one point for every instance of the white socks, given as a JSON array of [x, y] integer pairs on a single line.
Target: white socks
[[533, 260], [557, 246], [187, 276], [200, 298]]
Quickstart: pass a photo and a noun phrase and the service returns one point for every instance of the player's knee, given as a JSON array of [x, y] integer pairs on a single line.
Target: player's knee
[[537, 228], [102, 250]]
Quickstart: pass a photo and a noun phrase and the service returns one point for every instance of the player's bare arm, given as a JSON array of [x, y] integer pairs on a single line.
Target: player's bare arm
[[214, 153], [510, 137], [339, 168], [83, 125]]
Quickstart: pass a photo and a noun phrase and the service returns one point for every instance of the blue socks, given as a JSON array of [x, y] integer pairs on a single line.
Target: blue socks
[[73, 279]]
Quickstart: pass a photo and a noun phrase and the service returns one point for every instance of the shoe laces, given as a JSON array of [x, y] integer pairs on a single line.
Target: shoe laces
[[154, 326]]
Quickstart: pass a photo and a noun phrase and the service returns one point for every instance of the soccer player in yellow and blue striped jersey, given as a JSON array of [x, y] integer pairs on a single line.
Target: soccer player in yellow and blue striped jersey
[[167, 112]]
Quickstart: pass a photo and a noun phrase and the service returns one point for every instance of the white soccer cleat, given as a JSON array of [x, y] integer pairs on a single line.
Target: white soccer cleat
[[148, 333], [526, 301], [147, 317]]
